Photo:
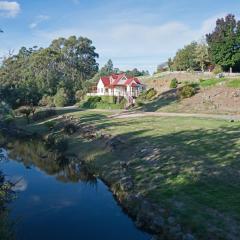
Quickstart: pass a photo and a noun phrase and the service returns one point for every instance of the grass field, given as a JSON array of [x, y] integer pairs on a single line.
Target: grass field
[[190, 166]]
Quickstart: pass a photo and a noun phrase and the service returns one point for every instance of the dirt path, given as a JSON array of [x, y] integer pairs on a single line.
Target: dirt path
[[166, 114]]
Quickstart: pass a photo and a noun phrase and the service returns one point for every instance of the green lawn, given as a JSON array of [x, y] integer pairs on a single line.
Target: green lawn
[[188, 165], [234, 83]]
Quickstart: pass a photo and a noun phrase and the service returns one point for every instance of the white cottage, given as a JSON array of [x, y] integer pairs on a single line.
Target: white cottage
[[119, 85]]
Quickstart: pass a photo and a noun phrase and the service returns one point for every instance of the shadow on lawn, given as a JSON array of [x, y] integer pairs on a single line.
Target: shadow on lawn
[[164, 99], [198, 169]]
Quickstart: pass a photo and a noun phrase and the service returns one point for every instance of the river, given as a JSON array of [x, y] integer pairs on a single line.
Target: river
[[62, 201]]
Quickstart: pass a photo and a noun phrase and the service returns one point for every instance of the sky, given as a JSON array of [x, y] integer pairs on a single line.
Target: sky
[[133, 33]]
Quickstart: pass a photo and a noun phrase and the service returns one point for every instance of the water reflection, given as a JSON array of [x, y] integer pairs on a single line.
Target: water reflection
[[35, 154], [52, 206]]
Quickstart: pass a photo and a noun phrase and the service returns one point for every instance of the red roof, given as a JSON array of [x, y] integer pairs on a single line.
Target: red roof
[[132, 81], [106, 81]]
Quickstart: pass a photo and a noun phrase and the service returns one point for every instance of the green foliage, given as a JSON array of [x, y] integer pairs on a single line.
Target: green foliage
[[6, 113], [70, 129], [79, 95], [27, 111], [91, 102], [104, 102], [44, 114], [218, 69], [148, 95], [211, 82], [50, 124], [234, 83], [109, 99], [202, 56], [224, 43], [32, 73], [61, 98], [174, 83], [47, 101], [139, 103], [185, 58], [187, 91]]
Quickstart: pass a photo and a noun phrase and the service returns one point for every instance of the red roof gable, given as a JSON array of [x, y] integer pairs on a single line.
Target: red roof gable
[[132, 81], [106, 81]]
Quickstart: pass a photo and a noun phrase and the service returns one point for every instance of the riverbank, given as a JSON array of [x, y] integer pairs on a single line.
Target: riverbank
[[176, 176]]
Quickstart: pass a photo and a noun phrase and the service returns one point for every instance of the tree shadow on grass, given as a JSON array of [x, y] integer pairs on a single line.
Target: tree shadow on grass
[[199, 169], [164, 99]]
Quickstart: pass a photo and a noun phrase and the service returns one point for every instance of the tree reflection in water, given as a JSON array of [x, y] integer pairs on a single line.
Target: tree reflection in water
[[35, 154]]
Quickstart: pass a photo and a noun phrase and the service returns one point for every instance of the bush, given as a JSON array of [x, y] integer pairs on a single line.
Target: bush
[[61, 144], [79, 95], [70, 129], [187, 91], [46, 101], [148, 95], [61, 98], [174, 83], [91, 102], [109, 99], [218, 69], [50, 124], [42, 115], [139, 103]]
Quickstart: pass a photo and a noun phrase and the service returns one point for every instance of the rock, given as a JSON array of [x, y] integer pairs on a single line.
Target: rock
[[188, 236]]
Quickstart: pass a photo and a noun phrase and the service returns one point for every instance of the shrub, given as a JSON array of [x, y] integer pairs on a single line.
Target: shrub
[[91, 102], [70, 129], [26, 110], [187, 91], [46, 101], [148, 95], [139, 103], [41, 115], [218, 69], [61, 144], [61, 98], [50, 124], [109, 99], [79, 95], [174, 83]]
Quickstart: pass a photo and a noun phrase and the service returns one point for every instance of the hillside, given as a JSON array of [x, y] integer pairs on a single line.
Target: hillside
[[213, 95], [161, 81]]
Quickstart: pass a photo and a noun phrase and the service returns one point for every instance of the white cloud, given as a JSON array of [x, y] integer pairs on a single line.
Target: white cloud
[[39, 19], [9, 9]]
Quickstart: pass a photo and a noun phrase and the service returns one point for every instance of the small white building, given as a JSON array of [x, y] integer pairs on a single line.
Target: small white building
[[119, 85]]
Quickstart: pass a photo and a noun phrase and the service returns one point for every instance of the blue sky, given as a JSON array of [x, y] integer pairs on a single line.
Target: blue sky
[[133, 33]]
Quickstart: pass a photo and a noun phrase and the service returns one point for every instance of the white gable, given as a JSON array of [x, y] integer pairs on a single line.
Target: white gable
[[100, 84]]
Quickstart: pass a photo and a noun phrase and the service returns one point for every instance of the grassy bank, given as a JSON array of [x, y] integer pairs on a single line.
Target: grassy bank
[[187, 166]]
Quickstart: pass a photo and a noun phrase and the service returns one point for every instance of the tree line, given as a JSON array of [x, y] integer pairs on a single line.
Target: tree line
[[60, 69], [219, 49]]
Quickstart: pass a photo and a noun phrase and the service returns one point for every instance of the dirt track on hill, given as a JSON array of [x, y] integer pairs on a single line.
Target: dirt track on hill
[[166, 114]]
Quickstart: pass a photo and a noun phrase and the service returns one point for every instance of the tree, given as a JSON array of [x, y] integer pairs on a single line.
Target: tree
[[224, 43], [185, 58], [107, 69], [170, 64], [202, 55], [32, 73], [60, 99]]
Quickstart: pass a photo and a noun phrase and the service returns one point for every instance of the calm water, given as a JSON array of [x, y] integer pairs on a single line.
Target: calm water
[[64, 203]]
